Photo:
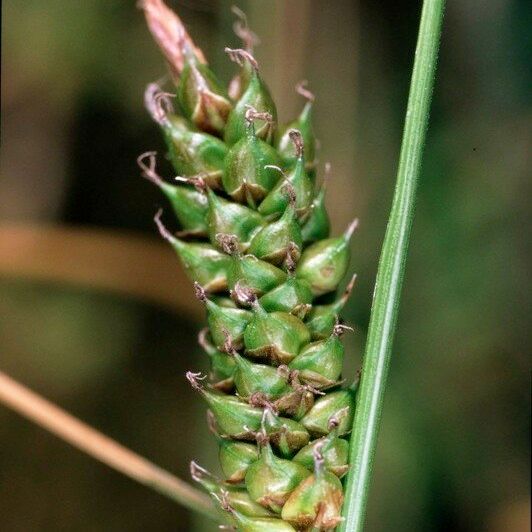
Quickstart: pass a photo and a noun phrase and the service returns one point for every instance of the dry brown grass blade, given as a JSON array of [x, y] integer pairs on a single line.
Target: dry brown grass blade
[[52, 418], [99, 259]]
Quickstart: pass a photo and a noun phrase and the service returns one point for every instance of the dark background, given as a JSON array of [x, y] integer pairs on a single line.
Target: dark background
[[454, 446]]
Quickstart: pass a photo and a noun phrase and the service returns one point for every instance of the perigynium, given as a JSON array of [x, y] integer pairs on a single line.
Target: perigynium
[[253, 236]]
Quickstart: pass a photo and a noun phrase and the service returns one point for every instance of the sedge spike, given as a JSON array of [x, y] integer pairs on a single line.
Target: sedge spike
[[252, 233]]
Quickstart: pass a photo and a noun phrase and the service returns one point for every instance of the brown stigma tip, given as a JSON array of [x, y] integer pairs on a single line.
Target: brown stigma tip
[[194, 379], [252, 114], [197, 181], [228, 243], [340, 328], [148, 169], [301, 88], [244, 294], [297, 139], [239, 56], [197, 472], [241, 28], [199, 292], [292, 254], [290, 192], [162, 228]]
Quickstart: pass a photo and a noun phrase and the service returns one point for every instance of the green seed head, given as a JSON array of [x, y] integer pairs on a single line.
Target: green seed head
[[275, 336], [234, 418], [270, 479], [235, 458], [324, 263], [189, 205], [228, 218], [248, 175], [275, 203], [238, 498], [201, 96], [317, 420], [317, 226], [191, 152], [255, 95], [335, 450], [322, 318], [317, 502], [222, 365], [257, 276], [223, 321], [281, 240], [302, 123], [202, 263], [320, 363], [294, 296], [286, 435]]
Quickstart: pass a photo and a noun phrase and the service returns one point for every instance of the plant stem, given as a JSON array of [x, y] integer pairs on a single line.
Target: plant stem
[[391, 271], [72, 430]]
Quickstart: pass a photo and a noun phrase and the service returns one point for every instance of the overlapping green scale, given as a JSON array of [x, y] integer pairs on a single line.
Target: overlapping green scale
[[252, 233]]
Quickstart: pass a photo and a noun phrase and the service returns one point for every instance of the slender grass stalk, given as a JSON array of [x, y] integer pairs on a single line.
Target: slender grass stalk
[[391, 271], [52, 418]]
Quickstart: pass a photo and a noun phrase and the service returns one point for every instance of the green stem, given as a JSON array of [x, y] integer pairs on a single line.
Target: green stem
[[391, 271]]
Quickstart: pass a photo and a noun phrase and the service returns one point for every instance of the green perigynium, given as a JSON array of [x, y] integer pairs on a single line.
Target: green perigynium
[[253, 235]]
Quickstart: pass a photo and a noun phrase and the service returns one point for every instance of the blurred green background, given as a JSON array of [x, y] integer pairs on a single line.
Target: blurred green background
[[454, 447]]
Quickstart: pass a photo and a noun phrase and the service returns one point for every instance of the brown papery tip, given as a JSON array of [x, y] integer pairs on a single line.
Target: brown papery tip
[[252, 114], [239, 56], [203, 340], [229, 346], [297, 139], [290, 260], [260, 400], [169, 33], [244, 294], [162, 228], [301, 88], [199, 292], [228, 243], [240, 27], [194, 379], [290, 192]]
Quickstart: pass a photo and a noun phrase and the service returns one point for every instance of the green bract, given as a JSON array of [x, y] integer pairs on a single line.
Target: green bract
[[253, 235]]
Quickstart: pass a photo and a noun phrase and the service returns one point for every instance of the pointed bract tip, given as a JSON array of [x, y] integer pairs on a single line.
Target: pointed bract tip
[[162, 228], [238, 55], [194, 379], [301, 88], [351, 229], [297, 139], [199, 292]]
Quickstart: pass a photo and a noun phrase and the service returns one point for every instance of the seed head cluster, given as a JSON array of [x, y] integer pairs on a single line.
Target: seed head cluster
[[254, 239]]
